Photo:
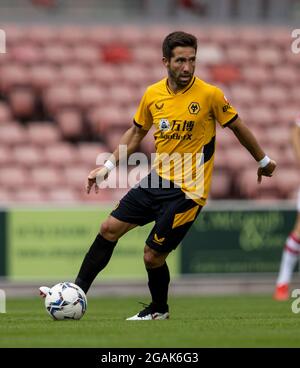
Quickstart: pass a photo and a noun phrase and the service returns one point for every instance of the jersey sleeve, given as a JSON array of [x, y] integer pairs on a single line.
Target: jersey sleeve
[[143, 118], [223, 112]]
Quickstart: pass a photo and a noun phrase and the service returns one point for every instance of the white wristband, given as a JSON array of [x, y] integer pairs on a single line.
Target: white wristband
[[109, 165], [264, 162]]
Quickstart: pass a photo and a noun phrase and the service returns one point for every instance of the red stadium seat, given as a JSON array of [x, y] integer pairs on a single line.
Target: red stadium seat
[[273, 95], [221, 160], [221, 185], [134, 75], [256, 75], [243, 94], [113, 138], [57, 54], [252, 36], [28, 156], [88, 152], [270, 56], [30, 195], [287, 113], [106, 75], [285, 75], [70, 123], [239, 55], [14, 178], [288, 181], [43, 76], [46, 177], [43, 133], [12, 134], [239, 159], [61, 154], [76, 176], [122, 95], [23, 103], [262, 116], [26, 54], [116, 54], [249, 188], [74, 74], [92, 95], [5, 113], [60, 96], [146, 55], [13, 75], [132, 35], [104, 119], [42, 35], [71, 35], [227, 74], [62, 195], [6, 157], [87, 55], [102, 35]]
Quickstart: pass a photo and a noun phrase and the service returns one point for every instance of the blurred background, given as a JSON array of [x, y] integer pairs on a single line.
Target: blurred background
[[70, 82]]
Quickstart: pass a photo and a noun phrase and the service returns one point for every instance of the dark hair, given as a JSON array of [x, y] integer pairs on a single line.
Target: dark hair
[[175, 39]]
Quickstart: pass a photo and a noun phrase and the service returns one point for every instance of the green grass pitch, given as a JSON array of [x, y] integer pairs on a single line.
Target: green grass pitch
[[231, 321]]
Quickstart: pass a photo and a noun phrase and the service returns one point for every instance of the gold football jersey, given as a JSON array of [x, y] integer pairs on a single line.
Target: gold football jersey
[[185, 129]]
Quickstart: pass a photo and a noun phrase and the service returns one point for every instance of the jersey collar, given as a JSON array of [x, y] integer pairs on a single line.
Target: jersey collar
[[182, 91]]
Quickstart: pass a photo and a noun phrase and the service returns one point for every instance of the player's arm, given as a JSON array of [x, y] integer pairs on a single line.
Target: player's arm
[[131, 138], [296, 141], [248, 140]]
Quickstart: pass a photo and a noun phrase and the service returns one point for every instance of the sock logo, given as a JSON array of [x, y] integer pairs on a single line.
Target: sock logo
[[158, 240]]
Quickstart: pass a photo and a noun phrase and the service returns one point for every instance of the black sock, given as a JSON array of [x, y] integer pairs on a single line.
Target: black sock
[[158, 283], [94, 261]]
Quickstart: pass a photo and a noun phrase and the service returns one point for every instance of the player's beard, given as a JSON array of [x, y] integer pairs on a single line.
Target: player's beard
[[175, 77]]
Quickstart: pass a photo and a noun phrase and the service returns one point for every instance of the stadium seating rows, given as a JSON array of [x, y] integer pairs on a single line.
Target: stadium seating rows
[[68, 94]]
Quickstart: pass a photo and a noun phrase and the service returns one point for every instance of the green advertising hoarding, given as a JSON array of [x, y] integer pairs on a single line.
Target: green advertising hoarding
[[51, 244], [236, 241]]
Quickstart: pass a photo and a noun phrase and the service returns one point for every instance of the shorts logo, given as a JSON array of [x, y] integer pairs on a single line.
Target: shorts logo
[[158, 240], [194, 108], [164, 125]]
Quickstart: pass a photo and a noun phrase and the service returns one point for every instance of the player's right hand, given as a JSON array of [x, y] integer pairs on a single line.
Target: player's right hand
[[266, 171], [95, 177]]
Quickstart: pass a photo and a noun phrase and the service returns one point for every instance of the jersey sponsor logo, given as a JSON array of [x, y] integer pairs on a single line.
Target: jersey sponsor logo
[[176, 127], [158, 240], [159, 106], [164, 125], [194, 108], [177, 137]]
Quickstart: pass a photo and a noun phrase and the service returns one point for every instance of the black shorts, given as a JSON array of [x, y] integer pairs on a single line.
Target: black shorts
[[172, 212]]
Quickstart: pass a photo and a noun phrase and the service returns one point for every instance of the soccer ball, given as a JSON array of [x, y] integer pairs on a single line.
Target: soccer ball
[[66, 301]]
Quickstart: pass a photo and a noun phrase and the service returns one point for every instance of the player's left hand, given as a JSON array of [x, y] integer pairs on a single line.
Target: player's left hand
[[266, 171]]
